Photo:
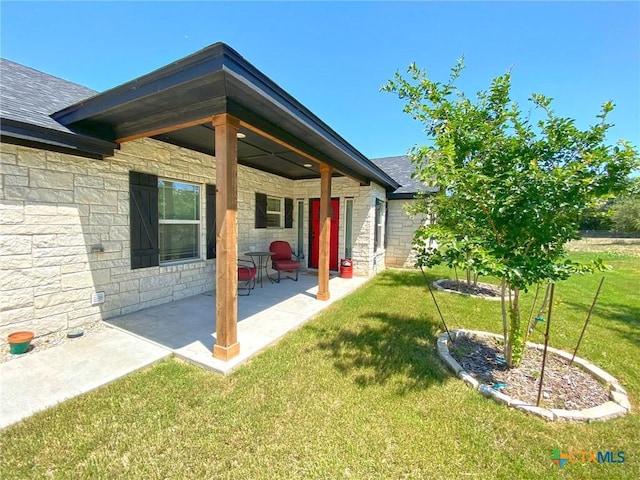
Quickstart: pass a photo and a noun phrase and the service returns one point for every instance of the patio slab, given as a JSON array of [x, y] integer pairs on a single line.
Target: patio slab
[[41, 380], [187, 327]]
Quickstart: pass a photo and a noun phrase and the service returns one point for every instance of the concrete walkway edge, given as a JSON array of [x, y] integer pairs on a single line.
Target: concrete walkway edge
[[41, 380]]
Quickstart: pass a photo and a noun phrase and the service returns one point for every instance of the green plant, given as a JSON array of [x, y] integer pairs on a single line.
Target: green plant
[[626, 214], [358, 392], [512, 193]]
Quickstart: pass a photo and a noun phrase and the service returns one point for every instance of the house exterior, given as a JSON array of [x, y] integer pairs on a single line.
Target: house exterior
[[148, 193], [400, 225]]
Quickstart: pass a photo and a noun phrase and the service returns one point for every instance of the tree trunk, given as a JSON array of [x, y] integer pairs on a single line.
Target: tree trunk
[[505, 330], [509, 341], [516, 337], [545, 300]]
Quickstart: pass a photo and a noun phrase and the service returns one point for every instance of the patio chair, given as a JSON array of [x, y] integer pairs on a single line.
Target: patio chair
[[282, 259], [247, 272]]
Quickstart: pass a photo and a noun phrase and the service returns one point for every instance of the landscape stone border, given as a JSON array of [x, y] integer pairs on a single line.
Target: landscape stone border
[[438, 286], [617, 406]]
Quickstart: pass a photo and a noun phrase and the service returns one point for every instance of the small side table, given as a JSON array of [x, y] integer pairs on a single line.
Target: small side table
[[262, 265]]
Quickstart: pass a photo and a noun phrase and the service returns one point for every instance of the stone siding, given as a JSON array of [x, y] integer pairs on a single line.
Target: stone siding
[[59, 210], [400, 229], [65, 234], [365, 263]]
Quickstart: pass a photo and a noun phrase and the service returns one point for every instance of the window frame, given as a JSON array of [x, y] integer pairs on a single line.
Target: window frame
[[379, 217], [348, 227], [198, 222], [300, 230], [279, 213]]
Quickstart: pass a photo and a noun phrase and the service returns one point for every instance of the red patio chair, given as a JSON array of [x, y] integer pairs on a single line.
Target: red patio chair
[[247, 272], [282, 261]]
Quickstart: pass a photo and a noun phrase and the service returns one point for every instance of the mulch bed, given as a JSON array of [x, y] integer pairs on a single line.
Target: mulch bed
[[481, 289], [564, 387]]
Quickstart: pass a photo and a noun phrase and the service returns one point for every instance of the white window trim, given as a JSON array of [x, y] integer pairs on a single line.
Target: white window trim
[[348, 228], [198, 222], [379, 226], [280, 212]]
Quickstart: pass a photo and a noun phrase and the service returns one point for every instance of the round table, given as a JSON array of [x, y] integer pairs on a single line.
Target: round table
[[262, 265]]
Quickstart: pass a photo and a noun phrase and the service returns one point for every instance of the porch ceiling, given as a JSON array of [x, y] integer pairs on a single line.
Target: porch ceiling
[[175, 104]]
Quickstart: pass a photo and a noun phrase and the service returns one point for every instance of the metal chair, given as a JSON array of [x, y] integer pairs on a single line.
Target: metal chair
[[282, 259], [247, 272]]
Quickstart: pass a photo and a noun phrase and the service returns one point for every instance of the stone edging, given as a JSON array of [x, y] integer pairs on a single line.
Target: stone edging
[[617, 406], [437, 285]]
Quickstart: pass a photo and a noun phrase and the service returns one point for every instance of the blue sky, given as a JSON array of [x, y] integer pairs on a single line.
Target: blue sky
[[334, 56]]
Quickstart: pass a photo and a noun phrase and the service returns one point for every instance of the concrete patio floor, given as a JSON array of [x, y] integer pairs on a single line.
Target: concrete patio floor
[[187, 327]]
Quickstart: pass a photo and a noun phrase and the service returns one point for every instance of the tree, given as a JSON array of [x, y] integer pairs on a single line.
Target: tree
[[597, 217], [512, 190], [626, 214]]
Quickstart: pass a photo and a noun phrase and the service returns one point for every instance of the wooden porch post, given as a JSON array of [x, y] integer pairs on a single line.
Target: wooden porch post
[[325, 232], [226, 153]]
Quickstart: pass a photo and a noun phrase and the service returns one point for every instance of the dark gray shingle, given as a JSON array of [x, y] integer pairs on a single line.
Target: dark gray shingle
[[30, 96], [400, 169]]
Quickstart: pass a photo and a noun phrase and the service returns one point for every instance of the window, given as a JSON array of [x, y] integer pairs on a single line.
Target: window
[[379, 217], [179, 221], [270, 211], [165, 220], [300, 228], [348, 229], [274, 212]]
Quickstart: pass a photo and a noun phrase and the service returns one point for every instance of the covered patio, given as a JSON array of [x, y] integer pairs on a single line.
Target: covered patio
[[188, 327], [217, 103]]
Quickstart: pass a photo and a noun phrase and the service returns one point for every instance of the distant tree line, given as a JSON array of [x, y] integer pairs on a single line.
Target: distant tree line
[[621, 214]]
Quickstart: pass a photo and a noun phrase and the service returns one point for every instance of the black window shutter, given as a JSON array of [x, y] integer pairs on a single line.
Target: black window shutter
[[288, 213], [211, 221], [261, 210], [143, 212]]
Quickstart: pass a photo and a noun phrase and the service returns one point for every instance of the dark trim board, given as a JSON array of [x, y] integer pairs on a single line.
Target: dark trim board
[[407, 196], [35, 136], [217, 80]]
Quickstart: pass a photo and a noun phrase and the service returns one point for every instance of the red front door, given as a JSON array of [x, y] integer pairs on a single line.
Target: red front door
[[315, 233]]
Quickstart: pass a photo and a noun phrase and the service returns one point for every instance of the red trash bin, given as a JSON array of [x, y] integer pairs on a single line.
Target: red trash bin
[[346, 268]]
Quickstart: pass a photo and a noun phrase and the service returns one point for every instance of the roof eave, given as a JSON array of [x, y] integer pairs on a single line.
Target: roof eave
[[214, 60], [35, 136]]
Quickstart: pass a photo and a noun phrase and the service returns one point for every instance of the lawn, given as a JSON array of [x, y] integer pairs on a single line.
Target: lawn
[[358, 392]]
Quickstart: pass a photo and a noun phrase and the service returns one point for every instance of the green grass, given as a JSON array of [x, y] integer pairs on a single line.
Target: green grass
[[358, 392]]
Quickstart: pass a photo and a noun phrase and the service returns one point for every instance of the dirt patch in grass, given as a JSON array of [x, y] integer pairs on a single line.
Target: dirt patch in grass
[[627, 246], [563, 387]]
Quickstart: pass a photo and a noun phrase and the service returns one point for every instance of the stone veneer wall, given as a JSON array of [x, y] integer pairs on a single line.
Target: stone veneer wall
[[54, 207], [366, 262], [400, 229]]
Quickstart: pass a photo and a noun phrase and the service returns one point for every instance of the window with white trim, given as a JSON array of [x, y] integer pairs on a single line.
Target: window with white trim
[[179, 221], [348, 229], [274, 212], [379, 219], [300, 253]]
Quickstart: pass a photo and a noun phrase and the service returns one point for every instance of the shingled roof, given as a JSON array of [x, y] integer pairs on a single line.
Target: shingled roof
[[31, 96], [400, 169], [28, 97], [175, 104]]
